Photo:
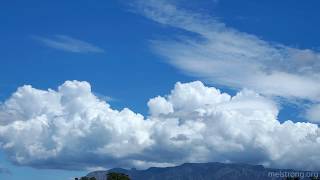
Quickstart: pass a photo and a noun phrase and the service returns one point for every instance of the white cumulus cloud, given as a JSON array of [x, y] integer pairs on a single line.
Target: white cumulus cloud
[[71, 128]]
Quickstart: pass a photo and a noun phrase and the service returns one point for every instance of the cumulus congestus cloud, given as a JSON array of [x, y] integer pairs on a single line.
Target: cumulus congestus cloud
[[71, 128]]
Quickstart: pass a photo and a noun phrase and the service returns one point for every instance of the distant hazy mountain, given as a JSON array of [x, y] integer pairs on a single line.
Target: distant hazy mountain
[[201, 171]]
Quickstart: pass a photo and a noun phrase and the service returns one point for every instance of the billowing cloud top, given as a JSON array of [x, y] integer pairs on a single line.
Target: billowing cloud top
[[71, 128]]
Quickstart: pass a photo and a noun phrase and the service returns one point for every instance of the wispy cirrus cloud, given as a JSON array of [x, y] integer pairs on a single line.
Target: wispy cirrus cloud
[[223, 55], [70, 44]]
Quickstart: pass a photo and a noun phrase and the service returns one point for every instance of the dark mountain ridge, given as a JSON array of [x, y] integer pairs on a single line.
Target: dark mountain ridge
[[208, 171]]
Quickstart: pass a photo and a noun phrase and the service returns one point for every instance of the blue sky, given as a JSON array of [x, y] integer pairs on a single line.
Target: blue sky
[[128, 54]]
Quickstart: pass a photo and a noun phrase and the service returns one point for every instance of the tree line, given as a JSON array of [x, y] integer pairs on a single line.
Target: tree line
[[110, 176]]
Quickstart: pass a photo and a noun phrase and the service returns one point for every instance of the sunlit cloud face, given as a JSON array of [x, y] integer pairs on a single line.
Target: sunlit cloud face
[[223, 55], [71, 128]]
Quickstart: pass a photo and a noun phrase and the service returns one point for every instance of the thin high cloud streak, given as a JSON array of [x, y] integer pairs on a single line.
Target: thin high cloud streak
[[69, 44], [72, 128], [4, 170], [228, 57], [313, 114]]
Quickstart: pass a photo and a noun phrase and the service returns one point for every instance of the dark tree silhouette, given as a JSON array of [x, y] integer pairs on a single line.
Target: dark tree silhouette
[[117, 176], [86, 178]]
